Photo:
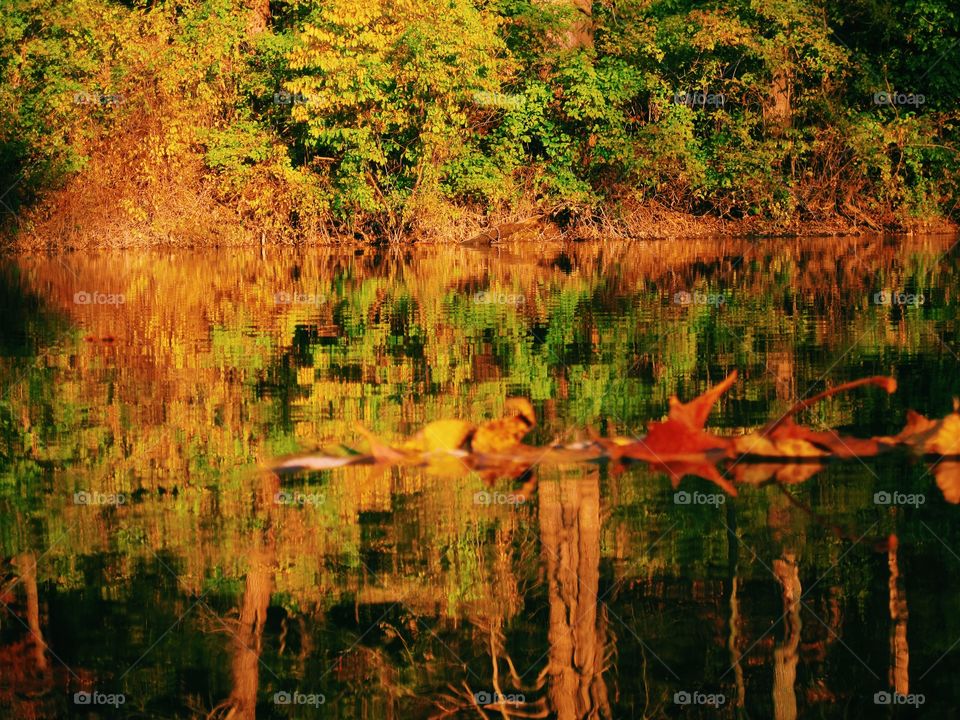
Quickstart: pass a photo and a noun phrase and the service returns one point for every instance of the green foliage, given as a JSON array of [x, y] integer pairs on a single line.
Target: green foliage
[[386, 88], [49, 52], [362, 116]]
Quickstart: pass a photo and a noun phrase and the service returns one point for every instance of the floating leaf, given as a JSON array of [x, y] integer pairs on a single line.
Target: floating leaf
[[677, 446], [787, 473], [319, 462], [505, 433], [947, 474], [682, 431], [442, 435]]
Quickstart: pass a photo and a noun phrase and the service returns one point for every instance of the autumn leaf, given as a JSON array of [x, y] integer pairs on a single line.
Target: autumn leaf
[[505, 433], [757, 446], [917, 428], [384, 452], [939, 438], [441, 435], [705, 469], [447, 447], [787, 473], [887, 383], [494, 436], [678, 444], [947, 474], [682, 431], [789, 440], [317, 462], [784, 439], [930, 437]]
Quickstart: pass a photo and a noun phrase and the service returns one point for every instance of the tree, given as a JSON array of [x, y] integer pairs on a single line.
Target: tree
[[385, 87]]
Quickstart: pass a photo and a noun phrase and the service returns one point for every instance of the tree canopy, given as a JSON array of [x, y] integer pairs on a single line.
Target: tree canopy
[[307, 117]]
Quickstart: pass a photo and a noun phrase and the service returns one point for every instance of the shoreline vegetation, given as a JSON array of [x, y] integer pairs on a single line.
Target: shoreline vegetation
[[228, 122]]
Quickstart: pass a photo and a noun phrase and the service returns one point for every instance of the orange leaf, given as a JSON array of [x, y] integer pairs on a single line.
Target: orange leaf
[[676, 469], [682, 431], [786, 473], [789, 440], [932, 437], [947, 474], [694, 413]]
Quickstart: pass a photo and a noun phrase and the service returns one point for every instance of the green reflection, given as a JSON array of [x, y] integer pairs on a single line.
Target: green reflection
[[393, 593]]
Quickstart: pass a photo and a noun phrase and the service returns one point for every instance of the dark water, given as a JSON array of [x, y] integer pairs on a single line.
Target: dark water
[[145, 560]]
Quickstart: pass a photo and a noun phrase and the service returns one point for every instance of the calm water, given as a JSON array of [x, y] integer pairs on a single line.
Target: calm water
[[144, 558]]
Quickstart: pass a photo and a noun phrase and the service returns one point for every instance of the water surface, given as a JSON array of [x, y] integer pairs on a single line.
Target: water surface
[[144, 553]]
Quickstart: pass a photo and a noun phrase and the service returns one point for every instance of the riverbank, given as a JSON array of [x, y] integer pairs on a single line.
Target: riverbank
[[71, 221], [220, 123]]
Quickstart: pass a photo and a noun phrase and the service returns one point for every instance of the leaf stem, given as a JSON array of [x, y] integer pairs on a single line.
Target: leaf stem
[[887, 383]]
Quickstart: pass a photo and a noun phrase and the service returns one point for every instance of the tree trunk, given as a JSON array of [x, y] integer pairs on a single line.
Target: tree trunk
[[578, 32], [778, 112], [899, 649], [248, 640], [258, 14], [570, 536], [27, 565], [786, 654]]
